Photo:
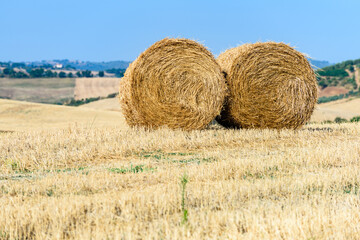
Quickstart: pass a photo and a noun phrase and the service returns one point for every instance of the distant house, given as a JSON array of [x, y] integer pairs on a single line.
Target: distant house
[[58, 65]]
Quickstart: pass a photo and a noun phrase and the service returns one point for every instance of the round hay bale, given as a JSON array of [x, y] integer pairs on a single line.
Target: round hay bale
[[175, 83], [271, 85]]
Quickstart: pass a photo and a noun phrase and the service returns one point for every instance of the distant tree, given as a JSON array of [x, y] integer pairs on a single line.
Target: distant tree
[[101, 74], [78, 74], [37, 73], [68, 66], [351, 68], [21, 75], [49, 74], [6, 71], [117, 71], [62, 74], [87, 73], [18, 65], [70, 75], [12, 73], [332, 72]]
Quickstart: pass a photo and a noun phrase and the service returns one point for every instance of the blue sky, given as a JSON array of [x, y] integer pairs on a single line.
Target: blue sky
[[120, 30]]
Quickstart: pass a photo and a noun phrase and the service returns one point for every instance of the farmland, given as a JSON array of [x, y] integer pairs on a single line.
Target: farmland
[[43, 90], [100, 179], [56, 90], [344, 108]]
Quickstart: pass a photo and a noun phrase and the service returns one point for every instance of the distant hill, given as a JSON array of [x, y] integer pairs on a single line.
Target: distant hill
[[83, 65], [319, 64], [338, 81]]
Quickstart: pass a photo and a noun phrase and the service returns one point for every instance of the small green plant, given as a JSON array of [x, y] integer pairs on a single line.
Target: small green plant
[[184, 181], [159, 155], [355, 119], [195, 160], [132, 169], [49, 192], [68, 170], [351, 188], [3, 235]]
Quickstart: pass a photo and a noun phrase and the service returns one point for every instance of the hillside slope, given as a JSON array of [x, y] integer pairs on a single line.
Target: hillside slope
[[109, 104], [339, 78], [95, 87], [344, 108], [24, 116], [41, 90]]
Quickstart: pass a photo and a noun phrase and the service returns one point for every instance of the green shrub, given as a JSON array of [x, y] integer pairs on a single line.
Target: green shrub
[[333, 72], [337, 97], [340, 120], [355, 119]]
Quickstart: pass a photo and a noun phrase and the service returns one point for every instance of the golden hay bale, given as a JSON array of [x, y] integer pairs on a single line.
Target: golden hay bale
[[175, 83], [271, 85]]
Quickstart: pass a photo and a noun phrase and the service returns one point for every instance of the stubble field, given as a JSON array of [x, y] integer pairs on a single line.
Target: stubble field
[[107, 182]]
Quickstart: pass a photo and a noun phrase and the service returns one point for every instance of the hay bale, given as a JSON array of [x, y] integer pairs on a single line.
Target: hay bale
[[271, 85], [175, 83]]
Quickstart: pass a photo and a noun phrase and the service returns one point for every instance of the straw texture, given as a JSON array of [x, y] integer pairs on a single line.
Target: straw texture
[[175, 83], [271, 85]]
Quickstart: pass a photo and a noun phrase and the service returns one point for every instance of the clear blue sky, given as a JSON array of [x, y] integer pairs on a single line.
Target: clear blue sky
[[120, 30]]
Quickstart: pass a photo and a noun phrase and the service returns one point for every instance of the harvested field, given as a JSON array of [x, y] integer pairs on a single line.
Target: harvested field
[[121, 183], [42, 90], [344, 108], [24, 116], [110, 104], [95, 87]]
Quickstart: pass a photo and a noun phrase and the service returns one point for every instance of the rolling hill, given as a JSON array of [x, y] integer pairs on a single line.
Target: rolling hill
[[342, 78], [345, 108], [56, 90], [24, 116], [41, 90], [110, 104]]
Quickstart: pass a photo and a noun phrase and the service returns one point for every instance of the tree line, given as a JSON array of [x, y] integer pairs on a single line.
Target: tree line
[[44, 73], [21, 70]]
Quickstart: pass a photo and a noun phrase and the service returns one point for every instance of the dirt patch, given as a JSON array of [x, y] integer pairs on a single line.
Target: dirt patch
[[332, 91]]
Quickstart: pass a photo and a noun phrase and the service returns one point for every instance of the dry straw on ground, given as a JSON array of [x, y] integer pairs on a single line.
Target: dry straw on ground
[[175, 83], [271, 85]]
